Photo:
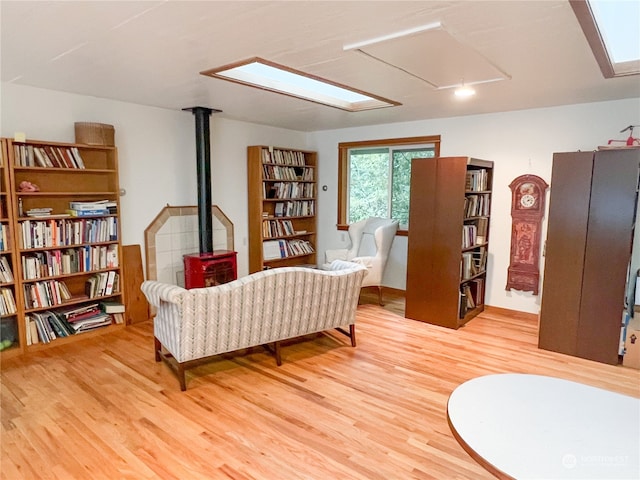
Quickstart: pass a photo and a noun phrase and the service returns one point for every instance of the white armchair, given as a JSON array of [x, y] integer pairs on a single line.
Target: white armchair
[[371, 241]]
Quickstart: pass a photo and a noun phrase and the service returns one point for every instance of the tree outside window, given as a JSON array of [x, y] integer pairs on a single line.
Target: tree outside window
[[375, 178]]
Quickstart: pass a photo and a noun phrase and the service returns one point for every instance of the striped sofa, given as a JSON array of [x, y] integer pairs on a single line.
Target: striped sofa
[[260, 309]]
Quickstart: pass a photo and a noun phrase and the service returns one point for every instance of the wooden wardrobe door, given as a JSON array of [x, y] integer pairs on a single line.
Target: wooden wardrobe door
[[607, 254], [565, 250]]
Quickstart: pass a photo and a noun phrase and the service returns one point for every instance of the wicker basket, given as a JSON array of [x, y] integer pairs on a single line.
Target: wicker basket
[[95, 134]]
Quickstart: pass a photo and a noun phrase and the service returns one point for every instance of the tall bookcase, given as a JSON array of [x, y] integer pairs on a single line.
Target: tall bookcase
[[62, 261], [282, 185], [448, 239], [9, 331]]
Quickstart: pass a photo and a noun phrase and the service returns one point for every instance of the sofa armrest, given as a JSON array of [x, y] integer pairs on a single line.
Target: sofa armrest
[[156, 292], [339, 254]]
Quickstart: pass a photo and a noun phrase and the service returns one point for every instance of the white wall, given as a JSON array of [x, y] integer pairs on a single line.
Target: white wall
[[156, 152], [157, 160], [521, 142], [229, 141]]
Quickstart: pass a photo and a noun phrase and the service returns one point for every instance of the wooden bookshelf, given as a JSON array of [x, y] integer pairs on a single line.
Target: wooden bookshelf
[[282, 185], [57, 255], [9, 329], [448, 239]]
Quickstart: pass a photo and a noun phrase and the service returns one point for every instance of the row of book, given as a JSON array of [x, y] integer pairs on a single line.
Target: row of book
[[469, 235], [45, 294], [471, 296], [7, 302], [49, 293], [102, 284], [46, 326], [477, 205], [283, 157], [47, 156], [76, 209], [475, 233], [4, 237], [277, 228], [51, 263], [300, 208], [473, 263], [477, 180], [63, 232], [289, 190], [6, 273], [275, 249], [277, 172]]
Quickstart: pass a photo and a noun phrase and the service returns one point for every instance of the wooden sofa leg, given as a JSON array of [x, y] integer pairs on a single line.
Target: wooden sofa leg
[[157, 346], [380, 296], [181, 377], [352, 334], [276, 348]]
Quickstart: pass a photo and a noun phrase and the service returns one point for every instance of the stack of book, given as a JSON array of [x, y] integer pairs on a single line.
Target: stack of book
[[39, 212], [85, 317], [48, 325], [116, 309], [88, 209]]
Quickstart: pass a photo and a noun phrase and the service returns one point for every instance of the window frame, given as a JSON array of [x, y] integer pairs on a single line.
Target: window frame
[[343, 167]]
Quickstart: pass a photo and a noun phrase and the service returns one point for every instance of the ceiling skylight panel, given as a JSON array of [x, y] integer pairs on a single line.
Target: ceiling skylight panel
[[619, 25], [266, 75]]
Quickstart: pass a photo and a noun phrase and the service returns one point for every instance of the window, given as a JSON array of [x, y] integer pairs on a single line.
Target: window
[[611, 29], [260, 73], [374, 177]]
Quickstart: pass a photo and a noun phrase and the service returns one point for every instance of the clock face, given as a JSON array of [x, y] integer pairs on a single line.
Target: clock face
[[527, 201]]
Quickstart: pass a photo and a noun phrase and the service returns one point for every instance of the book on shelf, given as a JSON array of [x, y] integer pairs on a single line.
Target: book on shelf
[[102, 283], [45, 293], [4, 239], [112, 307], [91, 323], [87, 213], [108, 288], [91, 205], [7, 302], [75, 313], [6, 274], [271, 250], [462, 305]]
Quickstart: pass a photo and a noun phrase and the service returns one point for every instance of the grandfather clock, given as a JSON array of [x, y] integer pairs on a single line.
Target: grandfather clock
[[527, 209]]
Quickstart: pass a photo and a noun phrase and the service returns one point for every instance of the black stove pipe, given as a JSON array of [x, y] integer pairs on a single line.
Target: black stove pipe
[[203, 163]]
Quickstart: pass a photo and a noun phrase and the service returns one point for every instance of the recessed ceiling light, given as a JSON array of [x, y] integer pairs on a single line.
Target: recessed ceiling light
[[260, 73], [464, 91]]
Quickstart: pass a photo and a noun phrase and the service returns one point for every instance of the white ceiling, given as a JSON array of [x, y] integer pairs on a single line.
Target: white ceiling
[[151, 53]]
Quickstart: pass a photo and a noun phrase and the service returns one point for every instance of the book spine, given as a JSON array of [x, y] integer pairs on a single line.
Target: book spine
[[87, 213]]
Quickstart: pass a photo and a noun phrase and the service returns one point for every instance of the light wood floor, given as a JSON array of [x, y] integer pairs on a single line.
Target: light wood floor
[[103, 409]]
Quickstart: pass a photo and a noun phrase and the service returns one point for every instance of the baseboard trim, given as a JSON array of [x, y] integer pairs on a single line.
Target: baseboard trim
[[511, 313], [395, 291]]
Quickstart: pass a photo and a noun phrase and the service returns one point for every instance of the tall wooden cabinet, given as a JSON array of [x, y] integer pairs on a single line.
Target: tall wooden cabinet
[[63, 261], [590, 232], [448, 239], [282, 185]]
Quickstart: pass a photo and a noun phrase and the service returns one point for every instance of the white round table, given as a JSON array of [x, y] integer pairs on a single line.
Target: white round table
[[536, 427]]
